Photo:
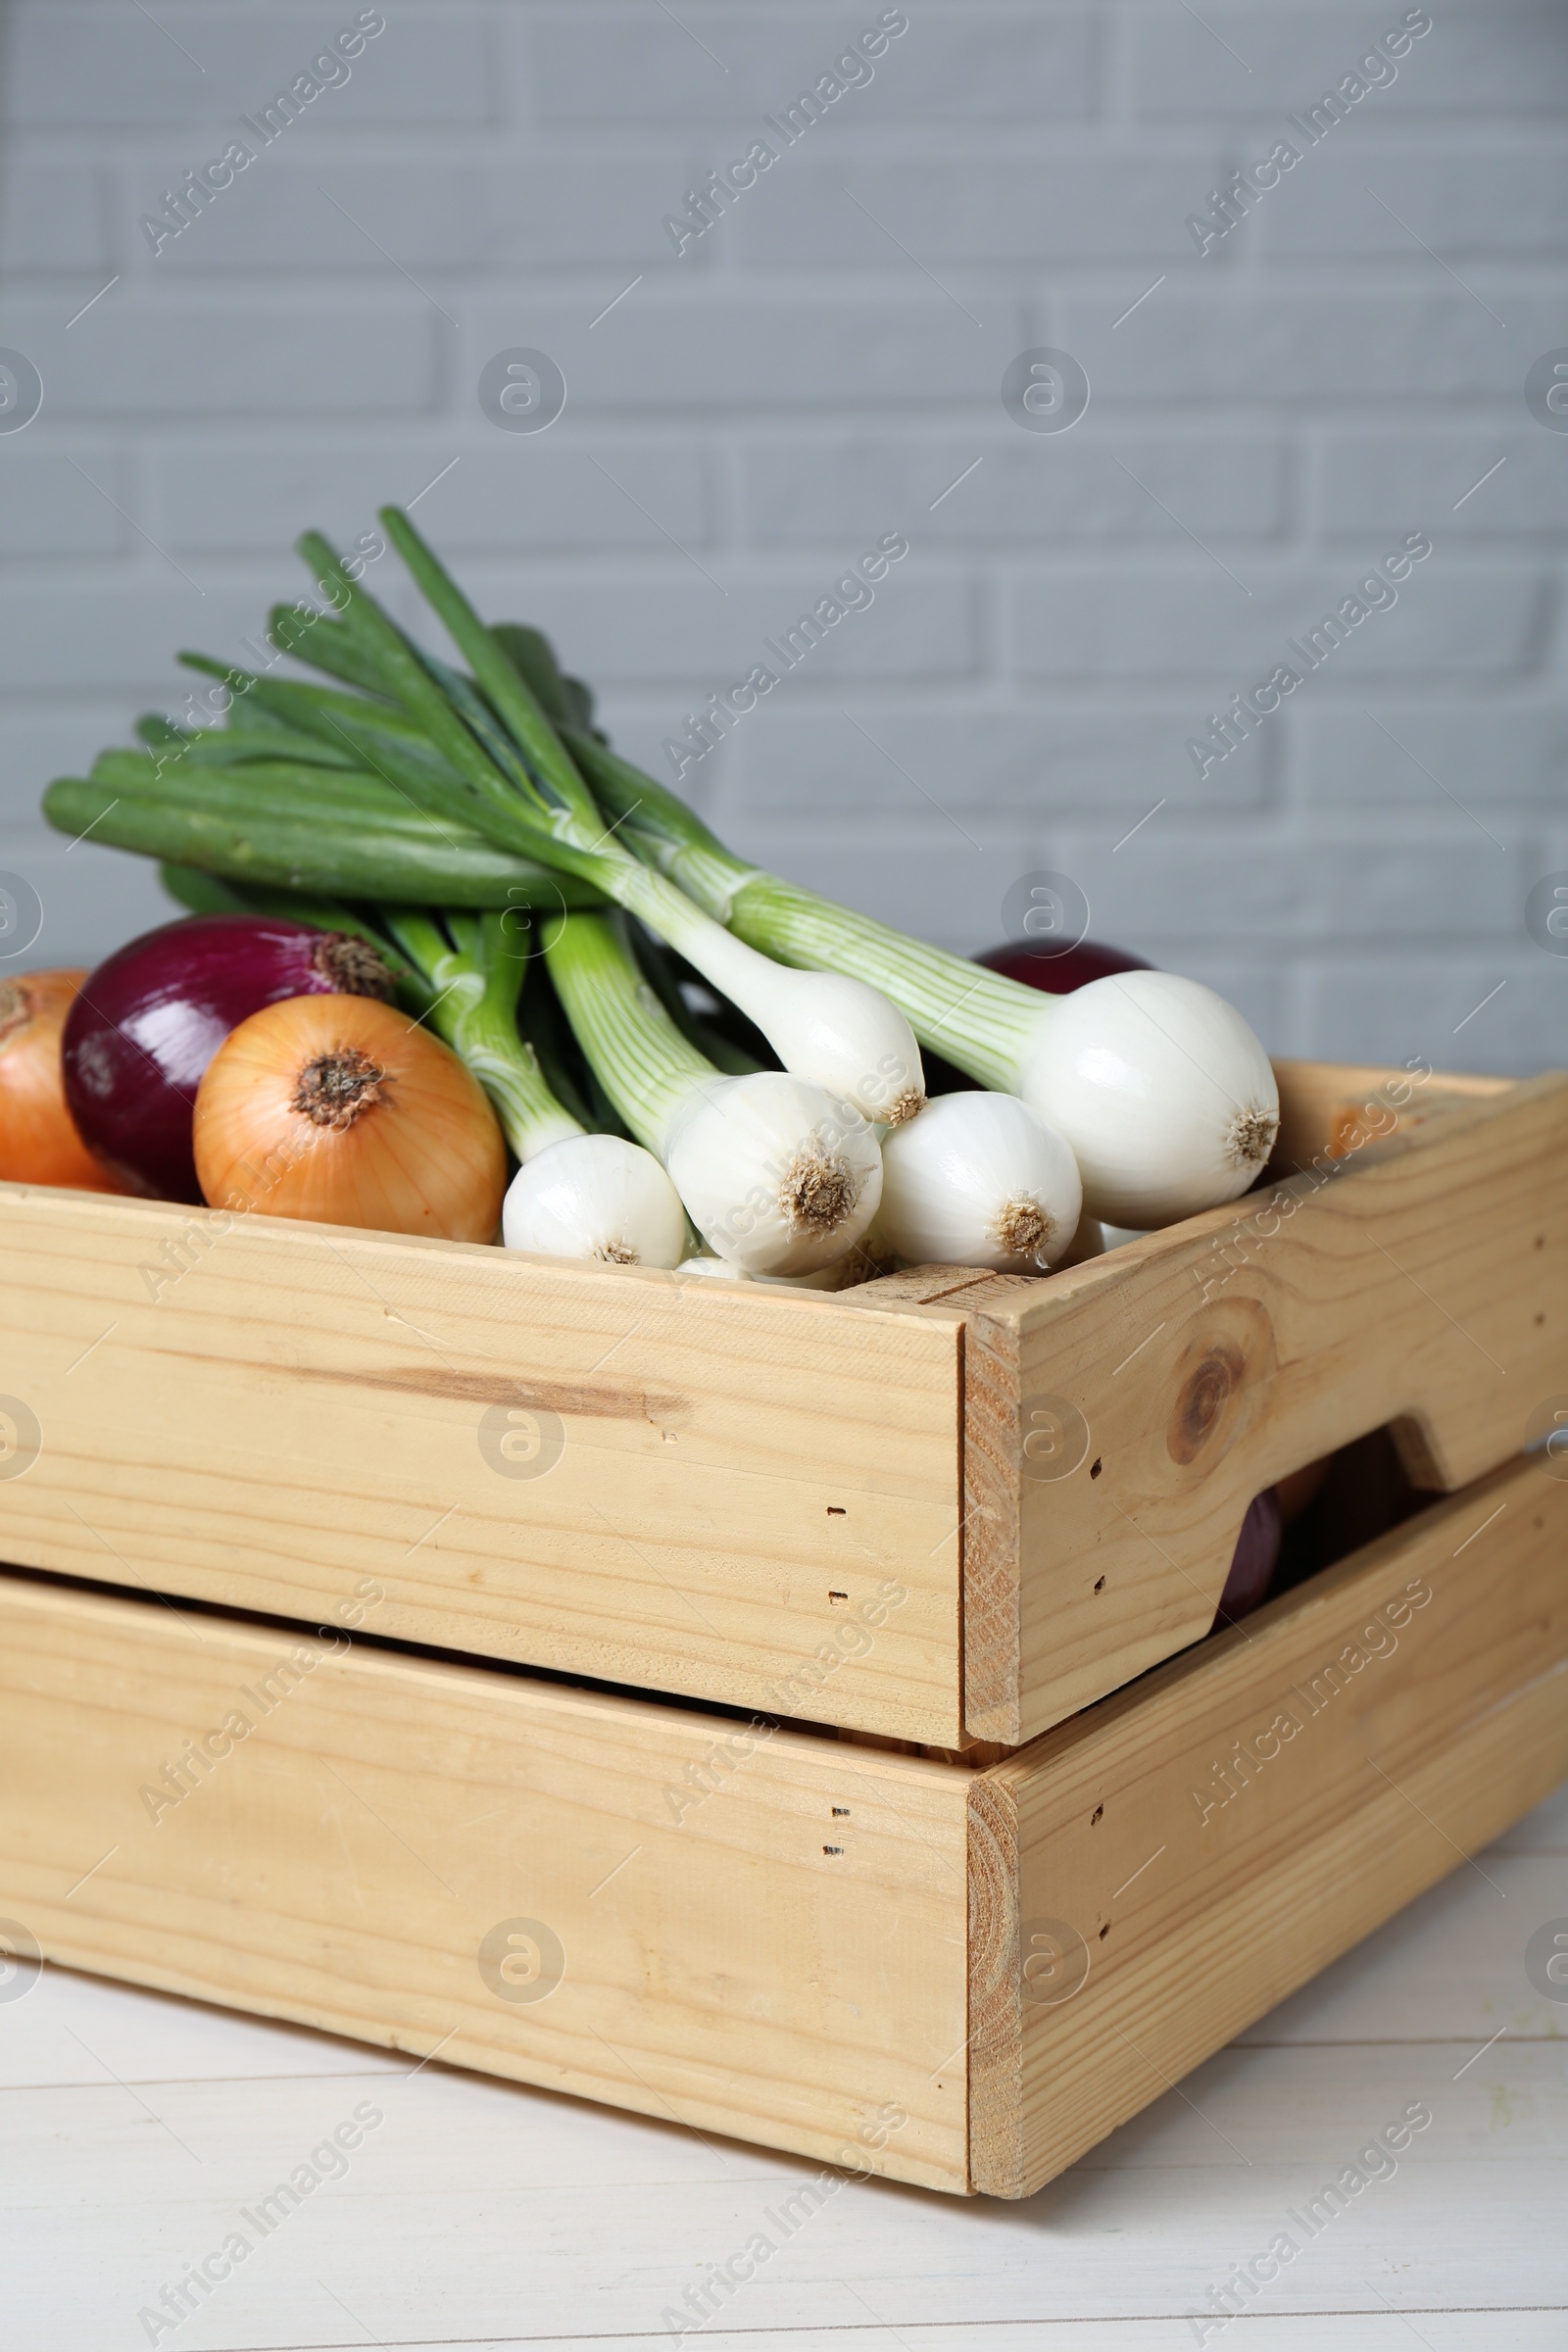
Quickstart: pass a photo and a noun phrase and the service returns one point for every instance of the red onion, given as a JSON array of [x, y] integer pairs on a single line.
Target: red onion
[[150, 1019], [1255, 1559], [1065, 969]]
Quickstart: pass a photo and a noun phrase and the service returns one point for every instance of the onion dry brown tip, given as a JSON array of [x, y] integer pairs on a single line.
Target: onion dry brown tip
[[351, 967], [616, 1253], [1251, 1136], [334, 1090], [904, 1106], [1022, 1227], [818, 1193]]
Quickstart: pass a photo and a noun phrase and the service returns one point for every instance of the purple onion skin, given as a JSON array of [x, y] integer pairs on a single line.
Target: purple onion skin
[[1255, 1559], [1061, 973], [150, 1018]]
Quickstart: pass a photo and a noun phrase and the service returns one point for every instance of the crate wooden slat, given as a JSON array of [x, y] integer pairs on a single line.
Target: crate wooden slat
[[796, 1943], [305, 1407], [342, 1865], [746, 1475]]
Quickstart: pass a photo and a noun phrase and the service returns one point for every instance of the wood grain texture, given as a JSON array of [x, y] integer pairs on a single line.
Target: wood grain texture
[[784, 1962], [1333, 1107], [1201, 1859], [301, 1408], [1422, 1282]]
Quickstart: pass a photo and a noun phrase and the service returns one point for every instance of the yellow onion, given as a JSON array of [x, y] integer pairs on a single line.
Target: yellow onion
[[38, 1139], [343, 1110]]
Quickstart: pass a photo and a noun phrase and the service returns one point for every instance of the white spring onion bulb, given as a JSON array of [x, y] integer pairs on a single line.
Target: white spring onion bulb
[[837, 1033], [826, 1278], [1163, 1092], [842, 1274], [1160, 1088], [978, 1180], [715, 1269], [778, 1178], [596, 1197]]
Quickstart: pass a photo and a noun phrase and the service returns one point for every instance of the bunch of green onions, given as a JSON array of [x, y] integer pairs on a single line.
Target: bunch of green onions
[[487, 793]]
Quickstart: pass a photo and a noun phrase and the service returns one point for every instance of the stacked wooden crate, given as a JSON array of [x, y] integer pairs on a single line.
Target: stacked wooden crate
[[792, 1714]]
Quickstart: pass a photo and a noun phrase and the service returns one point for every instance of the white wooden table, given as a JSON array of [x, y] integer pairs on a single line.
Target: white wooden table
[[137, 2130]]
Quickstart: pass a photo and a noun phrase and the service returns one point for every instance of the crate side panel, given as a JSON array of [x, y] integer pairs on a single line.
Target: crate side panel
[[640, 1904], [682, 1485], [1195, 1848], [1422, 1282]]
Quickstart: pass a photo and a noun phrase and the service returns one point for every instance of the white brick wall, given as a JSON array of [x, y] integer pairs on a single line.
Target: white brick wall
[[816, 371]]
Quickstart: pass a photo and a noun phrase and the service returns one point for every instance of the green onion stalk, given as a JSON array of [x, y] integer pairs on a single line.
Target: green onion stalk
[[324, 829], [471, 968], [576, 1194], [509, 776]]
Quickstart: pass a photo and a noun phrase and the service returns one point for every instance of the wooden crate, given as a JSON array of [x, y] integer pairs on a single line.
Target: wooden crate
[[950, 1507], [951, 1976]]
